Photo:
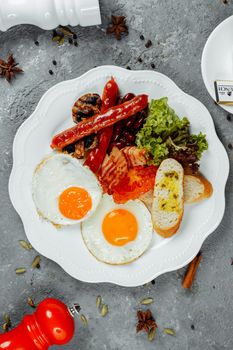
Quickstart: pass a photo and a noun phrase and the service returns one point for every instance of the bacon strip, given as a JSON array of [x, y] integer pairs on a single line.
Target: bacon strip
[[116, 166], [134, 156], [113, 169]]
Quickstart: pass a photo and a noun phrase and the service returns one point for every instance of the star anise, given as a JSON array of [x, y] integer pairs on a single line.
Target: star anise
[[118, 26], [146, 321], [8, 68]]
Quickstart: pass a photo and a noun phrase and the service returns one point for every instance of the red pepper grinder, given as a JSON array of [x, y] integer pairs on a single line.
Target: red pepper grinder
[[51, 324]]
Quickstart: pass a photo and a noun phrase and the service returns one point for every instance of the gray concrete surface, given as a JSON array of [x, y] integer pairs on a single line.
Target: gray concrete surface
[[178, 30]]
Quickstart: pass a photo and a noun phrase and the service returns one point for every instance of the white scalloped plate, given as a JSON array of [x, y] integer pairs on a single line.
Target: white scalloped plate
[[65, 246], [217, 58]]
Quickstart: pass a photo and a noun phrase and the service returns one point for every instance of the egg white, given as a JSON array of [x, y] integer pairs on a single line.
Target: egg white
[[55, 174], [117, 255]]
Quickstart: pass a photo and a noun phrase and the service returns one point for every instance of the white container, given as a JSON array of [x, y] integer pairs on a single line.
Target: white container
[[48, 14]]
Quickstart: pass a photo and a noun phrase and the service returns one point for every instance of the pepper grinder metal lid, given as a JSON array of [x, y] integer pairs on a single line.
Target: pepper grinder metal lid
[[48, 14]]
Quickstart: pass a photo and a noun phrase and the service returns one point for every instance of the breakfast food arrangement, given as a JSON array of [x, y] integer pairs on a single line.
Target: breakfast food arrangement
[[124, 170], [117, 162]]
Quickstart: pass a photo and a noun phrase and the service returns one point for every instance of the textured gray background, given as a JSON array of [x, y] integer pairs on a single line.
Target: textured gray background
[[178, 30]]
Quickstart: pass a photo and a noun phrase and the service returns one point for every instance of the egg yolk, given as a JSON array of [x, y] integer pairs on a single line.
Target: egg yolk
[[120, 227], [74, 203]]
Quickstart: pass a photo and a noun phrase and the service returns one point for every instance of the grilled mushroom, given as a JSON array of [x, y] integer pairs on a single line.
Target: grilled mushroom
[[79, 148], [86, 106]]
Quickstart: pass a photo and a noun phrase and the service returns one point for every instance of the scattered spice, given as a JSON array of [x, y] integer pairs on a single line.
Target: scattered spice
[[36, 262], [104, 310], [169, 331], [54, 62], [50, 72], [76, 43], [191, 272], [192, 327], [7, 319], [151, 334], [231, 261], [25, 245], [142, 37], [128, 67], [65, 30], [5, 327], [229, 117], [147, 301], [8, 68], [153, 282], [59, 39], [20, 270], [230, 146], [146, 321], [118, 26], [152, 65], [84, 320], [75, 37], [36, 42], [140, 60], [225, 2], [70, 41], [7, 324], [98, 301], [31, 303], [148, 44], [61, 32]]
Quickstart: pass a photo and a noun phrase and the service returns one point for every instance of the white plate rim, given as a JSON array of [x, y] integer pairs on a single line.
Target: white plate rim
[[179, 260]]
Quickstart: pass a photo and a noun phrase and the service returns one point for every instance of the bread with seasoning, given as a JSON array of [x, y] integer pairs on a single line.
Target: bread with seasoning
[[196, 188], [168, 199]]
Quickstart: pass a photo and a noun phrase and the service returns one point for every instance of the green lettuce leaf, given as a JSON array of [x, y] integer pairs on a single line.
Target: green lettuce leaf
[[164, 134]]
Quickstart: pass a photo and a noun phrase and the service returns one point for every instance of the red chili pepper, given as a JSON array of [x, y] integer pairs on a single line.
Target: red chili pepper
[[90, 125], [96, 156]]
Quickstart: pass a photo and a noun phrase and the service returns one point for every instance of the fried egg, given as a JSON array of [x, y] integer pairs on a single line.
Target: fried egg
[[64, 191], [118, 234]]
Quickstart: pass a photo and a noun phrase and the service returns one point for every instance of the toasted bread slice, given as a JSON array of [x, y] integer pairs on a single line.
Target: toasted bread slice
[[196, 188], [168, 201], [147, 199]]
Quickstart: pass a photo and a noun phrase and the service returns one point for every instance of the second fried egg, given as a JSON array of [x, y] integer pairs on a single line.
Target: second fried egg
[[118, 234]]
